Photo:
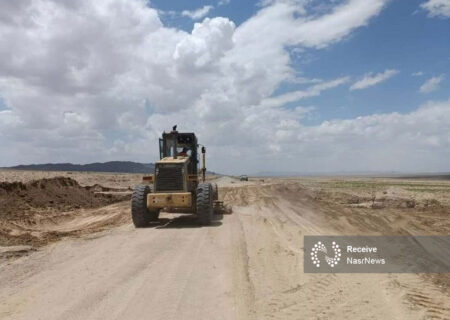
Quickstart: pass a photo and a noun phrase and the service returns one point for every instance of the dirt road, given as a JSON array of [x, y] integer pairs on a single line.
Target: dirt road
[[248, 265]]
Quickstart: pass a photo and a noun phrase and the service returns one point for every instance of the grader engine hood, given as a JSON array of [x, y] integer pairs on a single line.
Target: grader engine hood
[[171, 174], [178, 160]]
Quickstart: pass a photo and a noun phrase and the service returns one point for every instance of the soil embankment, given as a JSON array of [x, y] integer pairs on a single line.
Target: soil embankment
[[36, 212]]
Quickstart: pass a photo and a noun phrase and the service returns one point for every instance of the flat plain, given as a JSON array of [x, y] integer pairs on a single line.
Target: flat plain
[[68, 250]]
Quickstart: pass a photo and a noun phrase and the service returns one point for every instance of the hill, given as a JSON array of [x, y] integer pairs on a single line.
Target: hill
[[111, 166]]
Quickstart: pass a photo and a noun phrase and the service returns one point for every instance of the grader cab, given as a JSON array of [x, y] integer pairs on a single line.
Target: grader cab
[[175, 185]]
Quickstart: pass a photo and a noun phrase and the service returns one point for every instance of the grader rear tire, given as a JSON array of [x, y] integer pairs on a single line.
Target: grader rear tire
[[140, 215], [204, 203]]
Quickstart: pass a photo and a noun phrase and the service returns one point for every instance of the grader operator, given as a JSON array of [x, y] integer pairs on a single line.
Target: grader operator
[[176, 185]]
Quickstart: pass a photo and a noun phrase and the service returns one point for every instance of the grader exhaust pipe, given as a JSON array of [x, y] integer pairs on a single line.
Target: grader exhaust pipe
[[175, 143], [203, 163]]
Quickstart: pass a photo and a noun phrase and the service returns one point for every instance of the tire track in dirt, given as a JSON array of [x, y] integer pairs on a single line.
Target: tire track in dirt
[[284, 213], [242, 281]]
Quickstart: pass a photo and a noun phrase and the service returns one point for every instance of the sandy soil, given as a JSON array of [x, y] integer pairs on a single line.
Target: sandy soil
[[41, 211], [116, 180], [247, 265]]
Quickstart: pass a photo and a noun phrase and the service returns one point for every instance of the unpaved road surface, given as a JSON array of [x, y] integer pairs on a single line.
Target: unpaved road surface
[[247, 265]]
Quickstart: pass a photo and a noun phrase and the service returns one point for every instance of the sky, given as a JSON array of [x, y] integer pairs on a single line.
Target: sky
[[301, 86]]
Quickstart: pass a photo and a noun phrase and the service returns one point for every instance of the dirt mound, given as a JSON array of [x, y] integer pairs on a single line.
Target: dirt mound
[[29, 210], [61, 194]]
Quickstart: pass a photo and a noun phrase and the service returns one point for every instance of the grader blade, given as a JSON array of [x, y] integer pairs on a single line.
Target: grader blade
[[220, 208]]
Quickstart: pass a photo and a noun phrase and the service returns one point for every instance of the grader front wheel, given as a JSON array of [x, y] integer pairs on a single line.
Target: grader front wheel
[[204, 203], [140, 214]]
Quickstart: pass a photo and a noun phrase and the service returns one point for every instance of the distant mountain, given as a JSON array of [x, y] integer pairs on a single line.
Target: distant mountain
[[111, 166]]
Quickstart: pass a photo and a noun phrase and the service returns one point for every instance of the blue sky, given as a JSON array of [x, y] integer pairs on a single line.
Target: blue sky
[[402, 37], [2, 104], [237, 11], [298, 85]]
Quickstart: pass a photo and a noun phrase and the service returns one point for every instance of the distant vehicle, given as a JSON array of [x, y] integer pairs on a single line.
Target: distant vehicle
[[243, 178]]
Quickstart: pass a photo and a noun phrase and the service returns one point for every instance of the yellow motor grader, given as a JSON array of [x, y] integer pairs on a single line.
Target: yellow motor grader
[[175, 186]]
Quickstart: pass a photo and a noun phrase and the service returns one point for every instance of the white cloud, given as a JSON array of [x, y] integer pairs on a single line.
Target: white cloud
[[208, 43], [432, 84], [293, 96], [224, 2], [277, 24], [393, 141], [437, 8], [370, 79], [198, 13], [417, 74], [303, 80], [105, 89], [8, 119]]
